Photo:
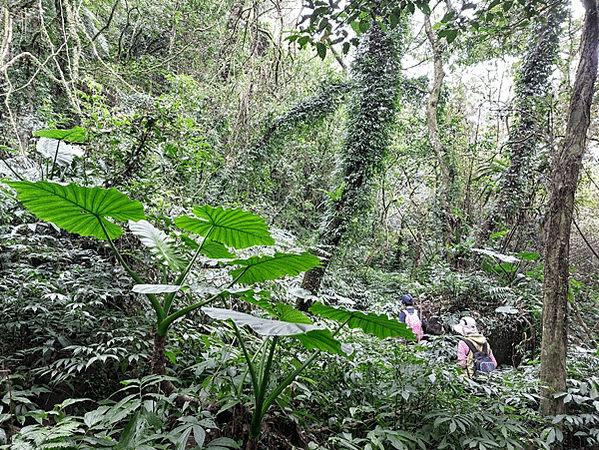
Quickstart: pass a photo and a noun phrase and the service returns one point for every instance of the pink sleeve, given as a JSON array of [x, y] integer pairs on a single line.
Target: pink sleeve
[[492, 356], [462, 352]]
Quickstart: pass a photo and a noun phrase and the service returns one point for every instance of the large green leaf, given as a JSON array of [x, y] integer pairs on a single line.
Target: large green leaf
[[261, 268], [290, 314], [78, 209], [232, 227], [281, 311], [61, 153], [159, 244], [265, 327], [211, 249], [378, 325], [322, 340], [75, 134], [216, 250]]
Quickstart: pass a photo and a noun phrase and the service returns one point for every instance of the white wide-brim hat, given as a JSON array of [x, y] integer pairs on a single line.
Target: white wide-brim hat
[[466, 326]]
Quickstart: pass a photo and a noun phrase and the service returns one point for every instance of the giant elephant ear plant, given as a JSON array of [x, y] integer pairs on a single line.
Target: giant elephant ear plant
[[291, 322], [87, 211]]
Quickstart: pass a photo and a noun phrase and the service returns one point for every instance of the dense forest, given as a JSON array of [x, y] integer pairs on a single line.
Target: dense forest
[[210, 212]]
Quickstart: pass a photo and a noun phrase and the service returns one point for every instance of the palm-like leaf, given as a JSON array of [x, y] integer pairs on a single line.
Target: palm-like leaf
[[378, 325], [159, 244], [265, 327], [78, 209], [261, 268], [232, 227]]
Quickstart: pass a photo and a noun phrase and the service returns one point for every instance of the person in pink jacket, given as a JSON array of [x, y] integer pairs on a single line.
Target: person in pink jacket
[[466, 354]]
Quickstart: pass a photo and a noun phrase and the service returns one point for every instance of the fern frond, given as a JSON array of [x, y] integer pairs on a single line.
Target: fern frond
[[499, 292]]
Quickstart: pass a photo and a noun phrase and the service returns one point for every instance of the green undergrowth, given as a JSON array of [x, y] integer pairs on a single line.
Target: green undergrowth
[[77, 344]]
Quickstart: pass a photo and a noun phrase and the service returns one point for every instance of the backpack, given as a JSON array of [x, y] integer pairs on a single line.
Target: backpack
[[482, 361], [414, 322]]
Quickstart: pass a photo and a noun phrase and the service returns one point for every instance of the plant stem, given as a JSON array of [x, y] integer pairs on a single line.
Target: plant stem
[[54, 162], [153, 300], [168, 300], [167, 321], [289, 379], [251, 366], [259, 395]]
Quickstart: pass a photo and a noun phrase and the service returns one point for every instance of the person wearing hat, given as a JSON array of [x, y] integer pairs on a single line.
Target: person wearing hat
[[467, 328], [411, 316]]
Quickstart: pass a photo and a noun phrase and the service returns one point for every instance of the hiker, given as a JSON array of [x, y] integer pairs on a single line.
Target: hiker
[[474, 352], [411, 316]]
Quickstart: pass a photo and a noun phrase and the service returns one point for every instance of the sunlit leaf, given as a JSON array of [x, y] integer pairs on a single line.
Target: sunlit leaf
[[75, 134], [261, 268], [500, 256], [78, 209], [159, 244], [231, 227], [91, 418], [507, 310], [58, 151], [156, 288]]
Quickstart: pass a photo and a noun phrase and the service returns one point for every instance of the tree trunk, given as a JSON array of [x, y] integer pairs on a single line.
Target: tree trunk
[[532, 87], [228, 49], [371, 112], [564, 180], [444, 159]]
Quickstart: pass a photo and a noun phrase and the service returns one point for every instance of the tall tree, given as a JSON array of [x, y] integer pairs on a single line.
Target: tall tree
[[371, 112], [532, 86], [445, 158], [565, 171]]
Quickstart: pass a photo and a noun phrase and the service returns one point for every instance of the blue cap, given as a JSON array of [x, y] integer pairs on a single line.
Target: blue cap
[[407, 299]]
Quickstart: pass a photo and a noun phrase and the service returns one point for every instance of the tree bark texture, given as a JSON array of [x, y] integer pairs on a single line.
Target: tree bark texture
[[445, 159], [564, 180]]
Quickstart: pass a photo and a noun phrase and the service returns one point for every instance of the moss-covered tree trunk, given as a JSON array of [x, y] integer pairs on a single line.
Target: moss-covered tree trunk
[[371, 112], [532, 86], [564, 180]]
